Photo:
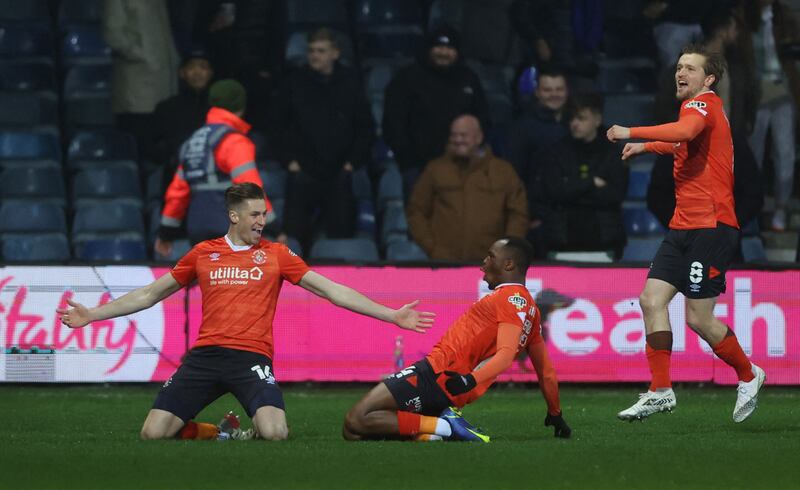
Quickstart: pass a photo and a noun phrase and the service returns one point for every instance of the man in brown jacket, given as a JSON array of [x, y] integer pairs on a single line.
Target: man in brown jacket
[[466, 198]]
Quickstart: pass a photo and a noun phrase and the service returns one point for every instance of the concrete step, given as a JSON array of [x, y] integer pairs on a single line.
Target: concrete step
[[780, 239], [781, 254]]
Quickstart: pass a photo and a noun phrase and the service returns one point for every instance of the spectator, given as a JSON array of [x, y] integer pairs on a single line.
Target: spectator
[[772, 28], [423, 98], [144, 63], [531, 137], [535, 22], [466, 198], [216, 155], [586, 182], [323, 129], [677, 23], [182, 114]]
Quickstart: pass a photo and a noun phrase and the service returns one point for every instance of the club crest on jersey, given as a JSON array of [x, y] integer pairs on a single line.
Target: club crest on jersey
[[697, 104], [518, 301], [259, 257], [214, 256]]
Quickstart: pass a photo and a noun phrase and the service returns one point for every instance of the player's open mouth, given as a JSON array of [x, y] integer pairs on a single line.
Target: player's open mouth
[[683, 83]]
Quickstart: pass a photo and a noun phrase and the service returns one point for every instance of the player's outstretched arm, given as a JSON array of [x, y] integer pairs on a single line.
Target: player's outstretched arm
[[340, 295], [137, 300]]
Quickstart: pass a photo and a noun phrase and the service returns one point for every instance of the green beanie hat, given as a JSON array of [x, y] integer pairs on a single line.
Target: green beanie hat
[[227, 94]]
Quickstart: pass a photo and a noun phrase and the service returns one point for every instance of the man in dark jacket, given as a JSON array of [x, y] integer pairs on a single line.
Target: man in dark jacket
[[322, 129], [423, 99], [177, 117], [586, 183]]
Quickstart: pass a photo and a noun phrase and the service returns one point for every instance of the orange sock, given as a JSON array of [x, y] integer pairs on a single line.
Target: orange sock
[[408, 423], [198, 430], [427, 424], [658, 359], [731, 352]]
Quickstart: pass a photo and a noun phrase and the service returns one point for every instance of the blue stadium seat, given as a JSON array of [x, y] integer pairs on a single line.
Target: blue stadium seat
[[35, 247], [639, 181], [751, 228], [394, 226], [80, 12], [379, 76], [99, 184], [446, 12], [274, 183], [111, 250], [387, 12], [641, 249], [362, 187], [31, 41], [27, 77], [349, 249], [14, 10], [399, 42], [89, 112], [154, 187], [639, 221], [102, 147], [20, 145], [44, 184], [31, 216], [629, 110], [630, 75], [405, 251], [753, 249], [376, 107], [120, 218], [87, 80], [390, 188], [27, 109], [84, 45], [312, 13]]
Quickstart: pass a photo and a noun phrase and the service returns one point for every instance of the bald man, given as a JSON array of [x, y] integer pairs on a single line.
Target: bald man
[[466, 198]]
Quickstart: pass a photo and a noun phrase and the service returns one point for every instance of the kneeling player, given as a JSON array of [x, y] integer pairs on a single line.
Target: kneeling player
[[416, 403]]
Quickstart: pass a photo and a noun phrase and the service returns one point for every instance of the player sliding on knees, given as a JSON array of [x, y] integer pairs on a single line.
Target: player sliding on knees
[[703, 234], [240, 276], [419, 402]]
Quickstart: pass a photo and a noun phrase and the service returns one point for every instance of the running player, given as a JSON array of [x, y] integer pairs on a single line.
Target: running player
[[703, 234], [240, 277], [415, 403]]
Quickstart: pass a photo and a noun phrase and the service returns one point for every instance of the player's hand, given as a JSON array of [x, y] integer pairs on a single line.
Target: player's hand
[[632, 149], [562, 430], [76, 317], [410, 319], [616, 133], [458, 384]]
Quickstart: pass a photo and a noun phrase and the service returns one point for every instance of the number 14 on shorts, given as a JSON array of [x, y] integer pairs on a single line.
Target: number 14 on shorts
[[264, 373]]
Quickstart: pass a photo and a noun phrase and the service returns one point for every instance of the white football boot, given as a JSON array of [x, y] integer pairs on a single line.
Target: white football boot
[[747, 395], [649, 403]]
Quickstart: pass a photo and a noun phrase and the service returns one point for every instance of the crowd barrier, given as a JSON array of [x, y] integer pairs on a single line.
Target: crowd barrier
[[599, 338]]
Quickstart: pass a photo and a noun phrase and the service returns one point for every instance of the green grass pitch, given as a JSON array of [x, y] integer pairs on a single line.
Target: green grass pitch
[[87, 437]]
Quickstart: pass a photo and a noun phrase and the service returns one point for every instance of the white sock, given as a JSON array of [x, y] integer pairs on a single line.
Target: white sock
[[443, 428]]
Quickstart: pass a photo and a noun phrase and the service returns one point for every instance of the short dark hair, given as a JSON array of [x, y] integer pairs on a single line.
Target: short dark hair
[[587, 100], [520, 251], [552, 71], [323, 34], [715, 63], [239, 193]]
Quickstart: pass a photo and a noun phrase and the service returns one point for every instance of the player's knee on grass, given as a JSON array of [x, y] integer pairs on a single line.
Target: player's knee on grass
[[270, 422], [160, 424]]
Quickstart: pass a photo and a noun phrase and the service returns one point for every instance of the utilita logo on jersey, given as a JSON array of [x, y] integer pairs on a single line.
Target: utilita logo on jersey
[[25, 329], [234, 276]]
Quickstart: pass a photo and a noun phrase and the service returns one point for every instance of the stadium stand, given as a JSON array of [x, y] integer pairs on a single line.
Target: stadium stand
[[26, 41], [348, 249], [83, 44], [405, 251], [31, 217], [93, 185], [23, 76], [102, 147], [39, 247], [29, 145], [639, 221], [111, 250], [34, 183]]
